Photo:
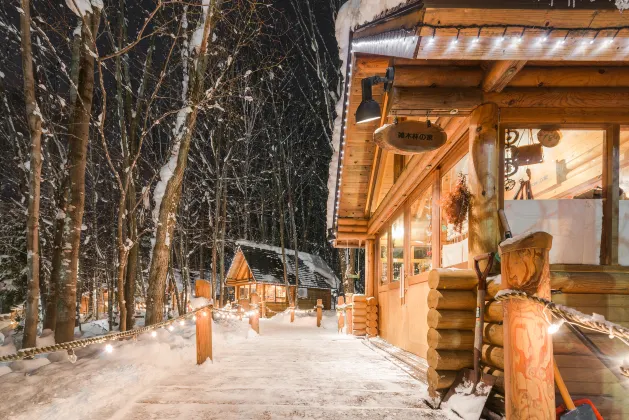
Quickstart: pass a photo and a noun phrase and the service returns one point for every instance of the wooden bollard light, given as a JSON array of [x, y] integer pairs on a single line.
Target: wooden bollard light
[[254, 319], [204, 324], [340, 312], [319, 311], [528, 347]]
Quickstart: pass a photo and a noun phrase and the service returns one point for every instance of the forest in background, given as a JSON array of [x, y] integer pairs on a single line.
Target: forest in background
[[167, 131]]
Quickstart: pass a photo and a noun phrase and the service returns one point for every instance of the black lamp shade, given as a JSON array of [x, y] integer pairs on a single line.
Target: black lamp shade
[[368, 110]]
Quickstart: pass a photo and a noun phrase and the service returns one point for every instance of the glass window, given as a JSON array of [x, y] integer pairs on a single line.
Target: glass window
[[269, 293], [397, 247], [624, 163], [252, 289], [555, 164], [280, 293], [384, 258], [453, 240], [421, 233], [244, 292]]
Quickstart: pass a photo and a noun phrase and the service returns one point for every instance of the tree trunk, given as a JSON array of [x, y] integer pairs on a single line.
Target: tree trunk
[[172, 178], [78, 140], [33, 116], [50, 317], [222, 249]]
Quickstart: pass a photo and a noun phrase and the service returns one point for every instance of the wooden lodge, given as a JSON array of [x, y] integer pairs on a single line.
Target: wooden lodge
[[259, 268], [533, 97]]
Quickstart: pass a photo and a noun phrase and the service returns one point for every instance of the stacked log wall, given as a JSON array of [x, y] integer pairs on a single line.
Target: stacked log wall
[[365, 316]]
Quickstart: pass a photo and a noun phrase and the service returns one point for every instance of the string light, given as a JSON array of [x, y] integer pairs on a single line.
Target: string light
[[153, 334], [171, 328], [182, 322], [456, 40], [477, 39], [595, 36], [109, 348], [554, 327]]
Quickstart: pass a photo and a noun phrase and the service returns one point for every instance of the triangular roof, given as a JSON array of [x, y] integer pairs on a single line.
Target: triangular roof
[[264, 264]]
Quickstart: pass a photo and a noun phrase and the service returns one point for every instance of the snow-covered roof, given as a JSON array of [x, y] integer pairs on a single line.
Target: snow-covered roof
[[353, 13], [265, 262]]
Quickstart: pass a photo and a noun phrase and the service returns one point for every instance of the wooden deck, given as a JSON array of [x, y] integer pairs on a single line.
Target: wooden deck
[[290, 371]]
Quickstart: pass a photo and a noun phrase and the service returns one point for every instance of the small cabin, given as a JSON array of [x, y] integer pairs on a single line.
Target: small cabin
[[259, 268], [529, 103]]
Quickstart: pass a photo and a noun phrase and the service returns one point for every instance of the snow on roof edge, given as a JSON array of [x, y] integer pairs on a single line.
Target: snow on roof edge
[[351, 14], [313, 262]]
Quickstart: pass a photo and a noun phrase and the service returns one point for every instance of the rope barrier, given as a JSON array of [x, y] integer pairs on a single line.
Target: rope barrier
[[29, 353], [573, 316]]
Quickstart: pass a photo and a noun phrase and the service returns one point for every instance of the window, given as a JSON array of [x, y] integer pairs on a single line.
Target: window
[[453, 242], [384, 258], [569, 168], [421, 233], [244, 292], [624, 163], [252, 289], [280, 293], [397, 247], [269, 293]]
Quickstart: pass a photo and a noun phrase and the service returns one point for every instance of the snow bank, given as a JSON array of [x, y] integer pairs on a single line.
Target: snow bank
[[352, 14]]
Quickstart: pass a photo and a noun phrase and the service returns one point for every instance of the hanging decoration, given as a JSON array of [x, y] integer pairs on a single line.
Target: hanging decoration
[[456, 204], [549, 138]]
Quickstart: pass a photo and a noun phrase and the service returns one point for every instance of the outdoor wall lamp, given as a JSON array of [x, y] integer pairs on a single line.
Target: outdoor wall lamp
[[369, 110]]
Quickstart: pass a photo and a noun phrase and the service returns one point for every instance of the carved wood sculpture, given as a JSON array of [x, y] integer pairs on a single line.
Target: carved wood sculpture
[[528, 350], [254, 320], [410, 137], [203, 288]]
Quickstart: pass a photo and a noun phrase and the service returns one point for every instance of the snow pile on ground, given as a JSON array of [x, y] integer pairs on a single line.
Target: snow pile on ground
[[465, 403]]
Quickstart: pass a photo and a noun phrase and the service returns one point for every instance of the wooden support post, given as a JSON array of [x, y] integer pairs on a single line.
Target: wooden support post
[[349, 305], [292, 314], [204, 323], [254, 320], [611, 190], [484, 181], [340, 312], [319, 311], [528, 347], [370, 254]]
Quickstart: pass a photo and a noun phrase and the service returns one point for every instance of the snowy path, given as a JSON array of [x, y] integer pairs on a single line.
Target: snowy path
[[290, 371]]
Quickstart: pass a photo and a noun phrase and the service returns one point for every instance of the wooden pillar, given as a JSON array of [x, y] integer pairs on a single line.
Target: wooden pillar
[[319, 311], [484, 181], [340, 312], [528, 347], [349, 305], [611, 192], [254, 320], [204, 323], [370, 277]]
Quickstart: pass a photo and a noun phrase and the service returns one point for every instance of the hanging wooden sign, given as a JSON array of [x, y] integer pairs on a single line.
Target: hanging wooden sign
[[410, 137]]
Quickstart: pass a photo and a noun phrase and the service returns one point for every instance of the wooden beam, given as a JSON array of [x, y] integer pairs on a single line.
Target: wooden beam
[[446, 101], [611, 192], [553, 117], [484, 181], [437, 76], [578, 77], [500, 74]]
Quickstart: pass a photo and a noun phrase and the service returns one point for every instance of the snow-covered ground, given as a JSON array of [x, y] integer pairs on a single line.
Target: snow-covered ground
[[289, 371]]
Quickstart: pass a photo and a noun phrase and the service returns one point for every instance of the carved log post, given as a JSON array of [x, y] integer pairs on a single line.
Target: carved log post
[[349, 306], [254, 319], [319, 311], [340, 311], [484, 181], [528, 347], [204, 323], [370, 251]]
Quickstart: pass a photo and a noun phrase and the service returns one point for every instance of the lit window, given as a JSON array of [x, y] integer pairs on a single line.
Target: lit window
[[421, 233], [453, 235], [397, 247], [384, 258], [280, 293], [269, 293]]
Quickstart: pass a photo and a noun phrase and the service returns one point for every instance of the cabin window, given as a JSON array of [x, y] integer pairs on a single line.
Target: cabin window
[[397, 247], [252, 289], [421, 233], [624, 164], [269, 293], [244, 292], [623, 205], [280, 293], [553, 183], [453, 240], [384, 258]]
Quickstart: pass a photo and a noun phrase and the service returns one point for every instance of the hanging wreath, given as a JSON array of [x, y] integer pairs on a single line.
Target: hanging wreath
[[456, 204]]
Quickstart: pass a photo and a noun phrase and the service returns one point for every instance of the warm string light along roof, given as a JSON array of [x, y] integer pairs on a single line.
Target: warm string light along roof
[[538, 35]]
